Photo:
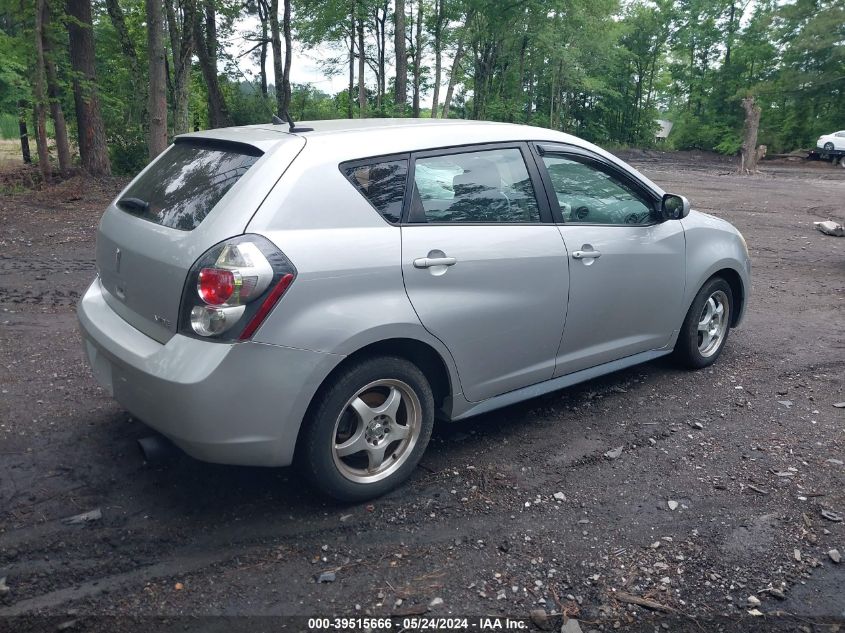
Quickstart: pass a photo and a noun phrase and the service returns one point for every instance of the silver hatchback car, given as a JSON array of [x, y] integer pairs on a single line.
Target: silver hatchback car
[[320, 295]]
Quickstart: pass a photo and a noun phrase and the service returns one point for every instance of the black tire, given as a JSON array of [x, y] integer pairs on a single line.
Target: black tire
[[317, 456], [828, 147], [688, 350]]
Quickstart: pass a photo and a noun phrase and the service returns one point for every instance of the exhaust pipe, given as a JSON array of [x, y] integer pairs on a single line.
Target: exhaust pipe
[[156, 449]]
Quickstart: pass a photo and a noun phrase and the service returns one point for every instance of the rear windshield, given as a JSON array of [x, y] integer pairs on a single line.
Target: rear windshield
[[183, 186]]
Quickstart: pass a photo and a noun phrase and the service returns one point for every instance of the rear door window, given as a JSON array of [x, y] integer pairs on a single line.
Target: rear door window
[[382, 183], [486, 186], [186, 182]]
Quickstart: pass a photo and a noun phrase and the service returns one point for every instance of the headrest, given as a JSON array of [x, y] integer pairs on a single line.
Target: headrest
[[479, 177]]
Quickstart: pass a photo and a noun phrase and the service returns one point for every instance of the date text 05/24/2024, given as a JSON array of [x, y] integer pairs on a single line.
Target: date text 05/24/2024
[[418, 623]]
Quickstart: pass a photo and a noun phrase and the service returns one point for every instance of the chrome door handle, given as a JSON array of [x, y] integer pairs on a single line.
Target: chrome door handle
[[428, 262], [586, 254]]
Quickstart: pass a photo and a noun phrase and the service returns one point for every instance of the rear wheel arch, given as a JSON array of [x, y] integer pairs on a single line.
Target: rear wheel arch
[[367, 429], [421, 354]]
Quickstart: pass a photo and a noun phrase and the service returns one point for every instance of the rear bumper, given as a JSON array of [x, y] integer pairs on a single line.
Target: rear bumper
[[237, 403]]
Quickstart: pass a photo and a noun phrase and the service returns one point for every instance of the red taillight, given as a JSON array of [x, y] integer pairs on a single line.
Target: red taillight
[[267, 305], [216, 285], [232, 288]]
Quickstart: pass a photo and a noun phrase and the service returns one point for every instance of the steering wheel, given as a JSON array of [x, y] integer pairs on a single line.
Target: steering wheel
[[633, 218], [580, 213]]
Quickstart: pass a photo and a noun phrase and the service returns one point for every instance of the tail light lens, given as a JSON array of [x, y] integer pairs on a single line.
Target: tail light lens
[[216, 285], [232, 288]]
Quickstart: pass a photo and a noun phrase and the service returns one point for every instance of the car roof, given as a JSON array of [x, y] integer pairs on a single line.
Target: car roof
[[335, 126], [350, 139], [418, 132], [421, 133]]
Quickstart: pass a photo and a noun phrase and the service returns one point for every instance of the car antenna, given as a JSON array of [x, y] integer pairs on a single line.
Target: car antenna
[[293, 127]]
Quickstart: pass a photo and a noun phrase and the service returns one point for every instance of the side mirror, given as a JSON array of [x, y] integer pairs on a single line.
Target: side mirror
[[674, 207]]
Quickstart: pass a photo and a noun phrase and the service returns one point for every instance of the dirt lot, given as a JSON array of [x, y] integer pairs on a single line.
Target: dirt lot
[[749, 453]]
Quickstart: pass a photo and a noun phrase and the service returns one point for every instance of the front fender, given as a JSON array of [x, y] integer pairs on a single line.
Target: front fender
[[714, 245]]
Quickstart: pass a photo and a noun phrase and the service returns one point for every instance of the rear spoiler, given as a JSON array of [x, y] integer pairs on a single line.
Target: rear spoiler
[[219, 144]]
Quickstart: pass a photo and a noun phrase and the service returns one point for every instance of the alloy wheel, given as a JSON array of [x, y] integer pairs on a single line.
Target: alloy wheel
[[713, 323], [376, 431]]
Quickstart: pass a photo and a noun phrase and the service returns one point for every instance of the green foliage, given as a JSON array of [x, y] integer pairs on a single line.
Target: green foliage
[[730, 144], [8, 126], [128, 153], [15, 53], [246, 103], [310, 104], [602, 69]]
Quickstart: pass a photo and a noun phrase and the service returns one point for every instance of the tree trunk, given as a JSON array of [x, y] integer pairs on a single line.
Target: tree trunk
[[520, 86], [362, 87], [39, 92], [351, 66], [652, 72], [401, 96], [381, 22], [749, 153], [54, 95], [731, 31], [438, 55], [286, 31], [263, 62], [157, 139], [139, 79], [93, 149], [263, 17], [453, 78], [418, 46], [205, 39], [456, 65], [560, 92], [24, 133], [529, 110], [182, 49], [278, 62], [483, 53], [41, 148]]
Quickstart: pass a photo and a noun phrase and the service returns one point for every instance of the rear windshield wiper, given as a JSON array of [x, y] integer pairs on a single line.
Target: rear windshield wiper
[[134, 204]]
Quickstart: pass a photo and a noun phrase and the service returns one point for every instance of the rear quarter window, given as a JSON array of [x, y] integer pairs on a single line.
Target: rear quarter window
[[382, 183], [186, 182]]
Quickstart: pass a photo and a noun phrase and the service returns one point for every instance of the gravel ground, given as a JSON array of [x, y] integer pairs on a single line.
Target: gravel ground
[[717, 504]]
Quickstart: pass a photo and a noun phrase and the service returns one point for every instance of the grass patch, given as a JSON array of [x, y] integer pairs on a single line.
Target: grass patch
[[10, 155], [9, 126]]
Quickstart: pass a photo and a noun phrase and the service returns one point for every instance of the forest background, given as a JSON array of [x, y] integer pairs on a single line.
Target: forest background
[[104, 85]]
